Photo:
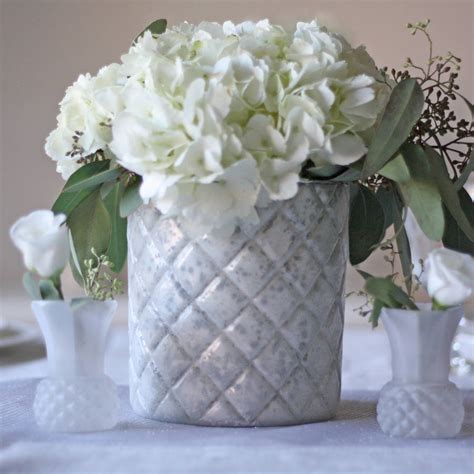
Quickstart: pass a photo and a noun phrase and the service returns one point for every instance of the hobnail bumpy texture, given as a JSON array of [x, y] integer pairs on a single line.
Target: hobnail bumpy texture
[[241, 332], [420, 410], [76, 404]]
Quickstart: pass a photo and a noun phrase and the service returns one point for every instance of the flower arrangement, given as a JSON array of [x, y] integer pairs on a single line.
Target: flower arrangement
[[208, 122]]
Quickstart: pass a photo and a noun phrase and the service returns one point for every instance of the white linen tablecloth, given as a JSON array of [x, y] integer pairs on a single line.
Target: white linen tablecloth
[[350, 443]]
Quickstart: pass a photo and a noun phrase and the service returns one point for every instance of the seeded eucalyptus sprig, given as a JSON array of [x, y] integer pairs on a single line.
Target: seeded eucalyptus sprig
[[438, 126], [99, 284]]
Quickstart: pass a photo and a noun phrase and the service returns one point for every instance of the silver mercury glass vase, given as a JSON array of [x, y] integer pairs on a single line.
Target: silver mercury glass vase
[[245, 331]]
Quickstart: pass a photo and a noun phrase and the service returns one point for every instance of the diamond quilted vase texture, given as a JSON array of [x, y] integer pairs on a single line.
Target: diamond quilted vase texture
[[245, 331], [76, 404], [420, 410]]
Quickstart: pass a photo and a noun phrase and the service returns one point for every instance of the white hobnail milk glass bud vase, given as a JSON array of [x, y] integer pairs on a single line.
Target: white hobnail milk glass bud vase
[[420, 401], [76, 395]]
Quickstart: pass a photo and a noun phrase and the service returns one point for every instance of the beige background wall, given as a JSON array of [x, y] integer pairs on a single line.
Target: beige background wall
[[46, 44]]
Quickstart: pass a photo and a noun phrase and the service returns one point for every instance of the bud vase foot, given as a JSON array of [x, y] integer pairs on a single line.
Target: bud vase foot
[[76, 404], [420, 410]]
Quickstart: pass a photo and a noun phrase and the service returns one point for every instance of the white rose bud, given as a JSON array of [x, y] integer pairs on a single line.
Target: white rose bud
[[43, 241], [449, 276]]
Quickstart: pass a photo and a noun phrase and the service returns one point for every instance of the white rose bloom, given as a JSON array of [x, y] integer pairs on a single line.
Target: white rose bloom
[[186, 108], [42, 238], [449, 276]]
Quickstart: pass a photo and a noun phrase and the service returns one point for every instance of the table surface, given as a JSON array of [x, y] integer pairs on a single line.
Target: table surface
[[350, 443]]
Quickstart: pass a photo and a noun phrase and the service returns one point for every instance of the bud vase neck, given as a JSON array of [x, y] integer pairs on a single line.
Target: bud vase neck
[[75, 335], [421, 343]]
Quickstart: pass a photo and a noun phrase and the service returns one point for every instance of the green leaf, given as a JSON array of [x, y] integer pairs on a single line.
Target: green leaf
[[466, 172], [324, 172], [448, 192], [403, 244], [90, 227], [363, 274], [353, 192], [131, 199], [93, 181], [401, 114], [48, 290], [388, 293], [375, 314], [74, 263], [67, 201], [350, 175], [117, 250], [31, 286], [421, 193], [396, 170], [106, 188], [454, 238], [385, 197], [366, 225], [156, 28]]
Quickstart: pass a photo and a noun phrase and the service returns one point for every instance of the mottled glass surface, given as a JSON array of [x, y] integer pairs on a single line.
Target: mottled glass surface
[[244, 331]]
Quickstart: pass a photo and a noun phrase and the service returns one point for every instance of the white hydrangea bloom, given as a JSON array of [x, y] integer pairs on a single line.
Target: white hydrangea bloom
[[213, 117], [85, 119]]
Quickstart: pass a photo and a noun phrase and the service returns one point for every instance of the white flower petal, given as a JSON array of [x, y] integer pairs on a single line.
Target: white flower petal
[[43, 240], [449, 276], [345, 149]]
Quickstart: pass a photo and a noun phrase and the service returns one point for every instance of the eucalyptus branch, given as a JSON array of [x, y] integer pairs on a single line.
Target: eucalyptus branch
[[438, 82], [445, 155], [98, 282]]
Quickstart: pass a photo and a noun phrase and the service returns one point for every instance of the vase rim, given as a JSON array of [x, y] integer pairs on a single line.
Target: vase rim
[[68, 302], [424, 309]]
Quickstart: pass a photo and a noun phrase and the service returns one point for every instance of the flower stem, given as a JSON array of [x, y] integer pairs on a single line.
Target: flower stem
[[438, 307], [56, 279]]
